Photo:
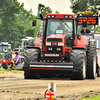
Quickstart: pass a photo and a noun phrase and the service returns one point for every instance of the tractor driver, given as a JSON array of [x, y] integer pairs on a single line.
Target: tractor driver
[[62, 27], [16, 60], [85, 30]]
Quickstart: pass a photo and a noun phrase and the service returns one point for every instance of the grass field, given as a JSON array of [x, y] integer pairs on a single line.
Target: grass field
[[93, 98], [9, 70]]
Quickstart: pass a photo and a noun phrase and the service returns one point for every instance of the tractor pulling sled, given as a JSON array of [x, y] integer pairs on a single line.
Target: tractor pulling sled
[[60, 51]]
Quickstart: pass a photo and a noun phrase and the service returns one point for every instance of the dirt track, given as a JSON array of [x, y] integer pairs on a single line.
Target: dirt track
[[13, 86]]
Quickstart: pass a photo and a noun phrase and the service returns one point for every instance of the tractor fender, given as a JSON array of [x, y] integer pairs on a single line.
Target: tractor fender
[[81, 43], [79, 48], [32, 47]]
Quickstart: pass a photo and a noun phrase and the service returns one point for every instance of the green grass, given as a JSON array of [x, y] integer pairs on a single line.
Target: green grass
[[92, 98], [9, 70]]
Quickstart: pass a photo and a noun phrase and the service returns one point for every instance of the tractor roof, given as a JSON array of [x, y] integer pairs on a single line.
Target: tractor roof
[[4, 43], [60, 16]]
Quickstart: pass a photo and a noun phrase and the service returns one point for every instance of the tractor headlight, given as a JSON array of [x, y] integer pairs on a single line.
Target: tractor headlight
[[62, 44], [50, 49], [48, 43], [58, 49]]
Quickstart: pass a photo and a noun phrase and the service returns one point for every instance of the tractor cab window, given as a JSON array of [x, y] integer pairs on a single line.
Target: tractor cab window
[[24, 44], [5, 48], [60, 26], [64, 26]]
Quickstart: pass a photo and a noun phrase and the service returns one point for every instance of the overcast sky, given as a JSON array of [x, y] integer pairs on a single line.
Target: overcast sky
[[63, 6]]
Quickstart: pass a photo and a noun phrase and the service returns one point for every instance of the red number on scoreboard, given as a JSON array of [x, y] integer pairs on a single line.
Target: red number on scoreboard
[[90, 20]]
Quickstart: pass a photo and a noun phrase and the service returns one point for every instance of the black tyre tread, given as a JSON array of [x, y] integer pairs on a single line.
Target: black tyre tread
[[90, 60], [4, 65], [31, 55], [76, 56]]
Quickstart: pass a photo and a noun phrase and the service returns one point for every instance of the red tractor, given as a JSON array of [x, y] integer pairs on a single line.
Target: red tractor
[[60, 50]]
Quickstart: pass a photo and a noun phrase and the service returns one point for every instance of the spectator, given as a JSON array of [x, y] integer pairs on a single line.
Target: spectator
[[85, 30], [16, 60]]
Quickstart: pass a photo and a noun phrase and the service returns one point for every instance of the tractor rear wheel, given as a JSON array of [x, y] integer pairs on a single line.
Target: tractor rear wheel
[[91, 60], [31, 55], [4, 65], [78, 57]]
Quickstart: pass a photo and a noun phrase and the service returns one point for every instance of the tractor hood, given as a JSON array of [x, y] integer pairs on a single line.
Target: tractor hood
[[56, 37]]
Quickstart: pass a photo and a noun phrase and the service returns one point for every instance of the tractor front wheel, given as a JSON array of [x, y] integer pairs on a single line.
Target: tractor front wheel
[[78, 57]]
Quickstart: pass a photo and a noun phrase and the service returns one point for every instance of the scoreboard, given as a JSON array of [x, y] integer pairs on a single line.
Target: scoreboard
[[91, 20]]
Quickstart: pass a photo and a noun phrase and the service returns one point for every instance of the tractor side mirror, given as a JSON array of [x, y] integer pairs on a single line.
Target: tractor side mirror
[[34, 23]]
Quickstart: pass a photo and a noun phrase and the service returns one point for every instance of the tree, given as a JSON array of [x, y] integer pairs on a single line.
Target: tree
[[42, 9], [31, 31], [15, 21], [94, 5], [79, 5], [56, 12], [8, 8], [85, 5]]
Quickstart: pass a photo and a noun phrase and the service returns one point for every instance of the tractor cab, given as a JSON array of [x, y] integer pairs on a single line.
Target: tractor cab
[[58, 36], [5, 48], [58, 30], [25, 42]]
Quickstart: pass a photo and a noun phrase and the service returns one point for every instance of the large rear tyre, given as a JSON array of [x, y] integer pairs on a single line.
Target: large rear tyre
[[31, 55], [4, 65], [78, 57], [91, 60]]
